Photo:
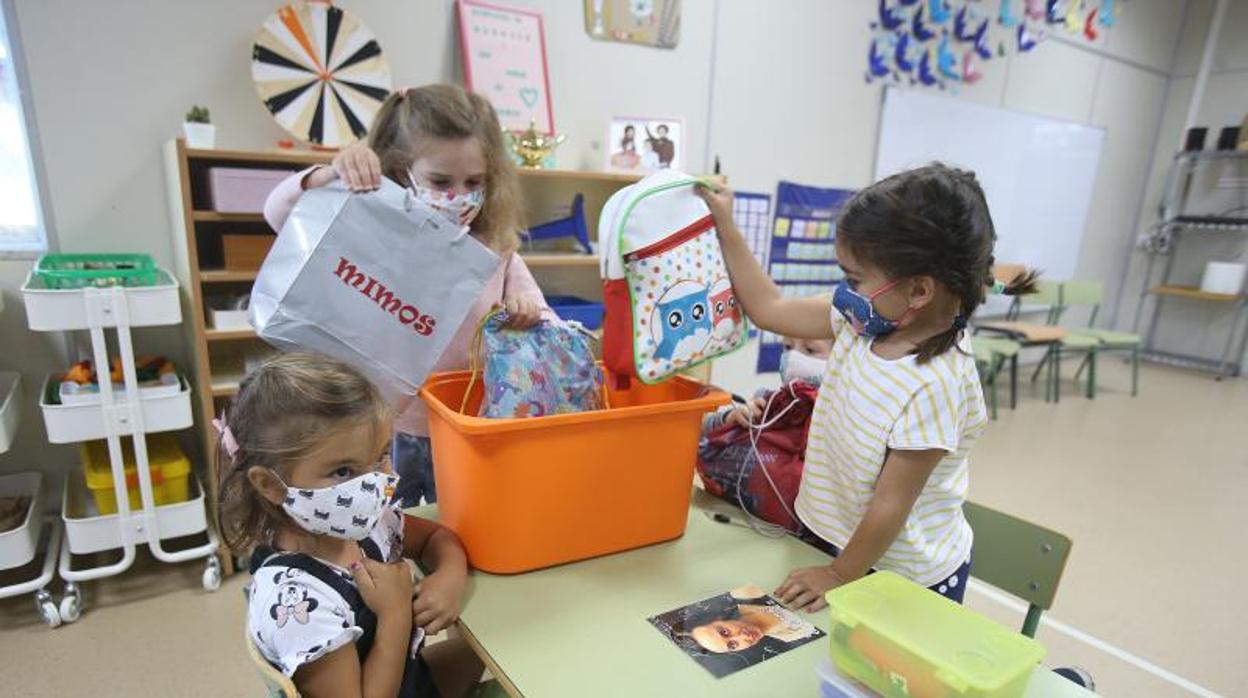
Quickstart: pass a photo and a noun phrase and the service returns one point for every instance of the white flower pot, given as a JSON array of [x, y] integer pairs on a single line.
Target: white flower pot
[[199, 135]]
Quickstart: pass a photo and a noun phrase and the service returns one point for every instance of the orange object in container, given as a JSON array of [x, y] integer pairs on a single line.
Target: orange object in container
[[524, 494]]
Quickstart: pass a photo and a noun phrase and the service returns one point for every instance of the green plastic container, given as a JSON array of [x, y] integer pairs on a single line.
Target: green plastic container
[[73, 271], [904, 641]]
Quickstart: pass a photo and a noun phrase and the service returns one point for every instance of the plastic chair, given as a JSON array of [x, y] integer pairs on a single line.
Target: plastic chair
[[992, 353], [1030, 334], [1018, 557], [1092, 293], [276, 683]]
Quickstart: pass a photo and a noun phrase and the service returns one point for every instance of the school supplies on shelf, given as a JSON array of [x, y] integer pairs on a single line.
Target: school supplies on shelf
[[73, 271]]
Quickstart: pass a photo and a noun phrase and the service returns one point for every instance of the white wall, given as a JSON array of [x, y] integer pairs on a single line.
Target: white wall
[[111, 81], [1191, 327]]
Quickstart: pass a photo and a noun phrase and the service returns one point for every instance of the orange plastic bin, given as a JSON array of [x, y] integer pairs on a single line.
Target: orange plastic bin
[[529, 493]]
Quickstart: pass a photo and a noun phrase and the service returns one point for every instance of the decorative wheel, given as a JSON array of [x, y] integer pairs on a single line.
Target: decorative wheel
[[319, 72], [212, 574]]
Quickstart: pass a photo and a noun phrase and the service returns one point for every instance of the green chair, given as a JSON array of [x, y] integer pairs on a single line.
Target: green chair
[[991, 353], [1092, 293], [1029, 334], [1017, 557]]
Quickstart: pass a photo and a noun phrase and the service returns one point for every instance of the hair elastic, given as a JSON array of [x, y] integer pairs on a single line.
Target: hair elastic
[[228, 441], [999, 288]]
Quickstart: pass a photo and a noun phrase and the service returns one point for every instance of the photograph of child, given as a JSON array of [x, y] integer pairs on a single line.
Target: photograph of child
[[736, 630]]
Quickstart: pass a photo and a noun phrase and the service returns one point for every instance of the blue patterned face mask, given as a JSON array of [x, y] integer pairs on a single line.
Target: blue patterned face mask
[[860, 311]]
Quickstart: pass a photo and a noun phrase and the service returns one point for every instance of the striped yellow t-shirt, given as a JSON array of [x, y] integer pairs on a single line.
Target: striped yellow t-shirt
[[868, 405]]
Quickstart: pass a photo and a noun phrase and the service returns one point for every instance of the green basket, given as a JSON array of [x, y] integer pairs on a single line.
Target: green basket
[[72, 271]]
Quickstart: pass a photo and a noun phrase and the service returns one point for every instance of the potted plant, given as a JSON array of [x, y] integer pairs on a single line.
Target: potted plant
[[200, 133]]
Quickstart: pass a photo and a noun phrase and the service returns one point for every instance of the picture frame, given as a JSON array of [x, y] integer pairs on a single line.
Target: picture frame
[[503, 49], [644, 144]]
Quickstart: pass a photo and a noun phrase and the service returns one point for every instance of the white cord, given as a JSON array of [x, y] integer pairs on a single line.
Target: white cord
[[759, 525]]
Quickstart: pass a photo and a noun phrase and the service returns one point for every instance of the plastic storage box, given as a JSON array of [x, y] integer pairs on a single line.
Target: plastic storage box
[[588, 313], [10, 407], [169, 467], [72, 271], [834, 684], [18, 545], [529, 493], [242, 189], [904, 641]]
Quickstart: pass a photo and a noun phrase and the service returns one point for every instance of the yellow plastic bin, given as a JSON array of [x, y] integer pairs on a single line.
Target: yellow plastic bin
[[171, 472], [904, 641]]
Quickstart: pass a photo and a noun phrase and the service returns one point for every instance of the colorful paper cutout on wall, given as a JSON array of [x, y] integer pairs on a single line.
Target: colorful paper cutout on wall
[[941, 43]]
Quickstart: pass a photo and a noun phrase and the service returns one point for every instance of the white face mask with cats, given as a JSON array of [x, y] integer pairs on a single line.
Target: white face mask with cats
[[348, 510]]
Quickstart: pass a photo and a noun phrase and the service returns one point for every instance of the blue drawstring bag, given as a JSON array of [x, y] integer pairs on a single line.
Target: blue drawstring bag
[[544, 370]]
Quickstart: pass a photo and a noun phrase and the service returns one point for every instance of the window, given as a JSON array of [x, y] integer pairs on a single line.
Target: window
[[21, 216]]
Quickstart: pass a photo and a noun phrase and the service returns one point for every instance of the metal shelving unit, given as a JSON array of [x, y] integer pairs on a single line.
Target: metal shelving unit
[[1178, 226]]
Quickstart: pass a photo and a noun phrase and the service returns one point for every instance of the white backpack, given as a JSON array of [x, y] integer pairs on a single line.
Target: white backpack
[[669, 302]]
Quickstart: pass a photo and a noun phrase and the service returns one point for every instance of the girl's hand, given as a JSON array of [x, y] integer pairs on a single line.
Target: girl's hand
[[439, 598], [718, 198], [804, 588], [744, 415], [356, 164], [523, 312], [386, 588]]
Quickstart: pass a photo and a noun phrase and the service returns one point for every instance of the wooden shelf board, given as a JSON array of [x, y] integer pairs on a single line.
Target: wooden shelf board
[[1193, 293], [568, 259], [274, 156], [221, 276], [224, 387], [582, 175], [218, 217], [226, 335]]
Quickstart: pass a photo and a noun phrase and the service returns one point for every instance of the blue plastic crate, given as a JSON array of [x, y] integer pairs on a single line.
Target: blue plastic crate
[[588, 313]]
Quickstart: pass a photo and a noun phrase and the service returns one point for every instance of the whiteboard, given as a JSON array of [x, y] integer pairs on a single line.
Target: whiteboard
[[1037, 172]]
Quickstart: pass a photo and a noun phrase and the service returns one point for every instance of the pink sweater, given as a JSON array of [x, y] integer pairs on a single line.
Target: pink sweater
[[512, 280]]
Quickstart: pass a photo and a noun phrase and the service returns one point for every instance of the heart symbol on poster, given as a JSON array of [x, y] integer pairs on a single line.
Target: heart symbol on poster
[[528, 95]]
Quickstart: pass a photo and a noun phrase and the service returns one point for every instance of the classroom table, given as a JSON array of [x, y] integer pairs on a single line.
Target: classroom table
[[580, 629]]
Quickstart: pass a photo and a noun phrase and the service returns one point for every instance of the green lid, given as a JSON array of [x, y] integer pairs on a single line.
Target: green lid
[[964, 649]]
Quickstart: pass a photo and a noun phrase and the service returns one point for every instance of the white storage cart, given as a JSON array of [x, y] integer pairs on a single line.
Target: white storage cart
[[35, 535], [133, 414]]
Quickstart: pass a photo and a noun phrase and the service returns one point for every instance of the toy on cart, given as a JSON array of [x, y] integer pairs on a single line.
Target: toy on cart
[[573, 226], [155, 499]]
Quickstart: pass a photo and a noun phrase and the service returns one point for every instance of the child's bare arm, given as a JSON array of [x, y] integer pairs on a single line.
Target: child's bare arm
[[900, 483], [439, 596], [807, 318]]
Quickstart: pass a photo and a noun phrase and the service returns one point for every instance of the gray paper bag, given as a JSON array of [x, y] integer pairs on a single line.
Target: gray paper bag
[[377, 280]]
